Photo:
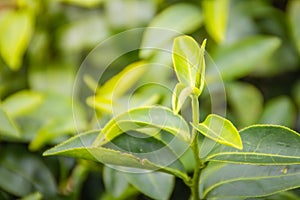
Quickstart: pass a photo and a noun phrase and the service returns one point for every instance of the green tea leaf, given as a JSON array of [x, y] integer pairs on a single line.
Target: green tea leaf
[[241, 94], [33, 196], [152, 116], [108, 94], [115, 182], [161, 150], [293, 14], [215, 17], [189, 63], [23, 173], [8, 126], [13, 44], [242, 181], [180, 94], [80, 146], [264, 145], [156, 185], [171, 22], [220, 130], [280, 110], [86, 3], [239, 59], [22, 102]]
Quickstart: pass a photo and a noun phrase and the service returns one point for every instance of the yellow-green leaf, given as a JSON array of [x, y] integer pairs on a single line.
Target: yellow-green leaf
[[188, 60], [293, 15], [180, 94], [15, 36], [7, 126], [109, 93], [220, 130], [144, 117], [171, 22], [215, 18]]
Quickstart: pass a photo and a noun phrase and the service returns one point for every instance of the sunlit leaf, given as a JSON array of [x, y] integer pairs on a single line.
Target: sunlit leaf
[[86, 3], [280, 110], [180, 94], [242, 181], [189, 63], [156, 185], [220, 130], [13, 44], [22, 102], [108, 94], [152, 116], [8, 126], [239, 59], [264, 145], [171, 22], [215, 17]]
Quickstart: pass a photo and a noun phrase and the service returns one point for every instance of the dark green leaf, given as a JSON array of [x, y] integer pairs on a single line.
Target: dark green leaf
[[80, 146], [235, 180], [262, 144], [23, 173], [156, 185]]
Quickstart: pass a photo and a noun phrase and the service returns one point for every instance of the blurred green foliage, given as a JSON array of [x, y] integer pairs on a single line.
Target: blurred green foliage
[[255, 46]]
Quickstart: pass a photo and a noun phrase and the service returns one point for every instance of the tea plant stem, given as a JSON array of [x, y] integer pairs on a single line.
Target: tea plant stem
[[194, 146]]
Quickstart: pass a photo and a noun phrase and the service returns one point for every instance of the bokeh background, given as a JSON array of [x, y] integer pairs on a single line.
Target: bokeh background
[[254, 44]]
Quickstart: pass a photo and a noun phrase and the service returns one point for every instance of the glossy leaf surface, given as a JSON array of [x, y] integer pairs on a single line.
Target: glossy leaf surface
[[80, 146], [188, 60], [263, 144], [220, 130], [242, 181], [152, 116]]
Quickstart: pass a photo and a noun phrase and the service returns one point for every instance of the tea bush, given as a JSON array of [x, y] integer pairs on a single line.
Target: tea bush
[[149, 99]]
